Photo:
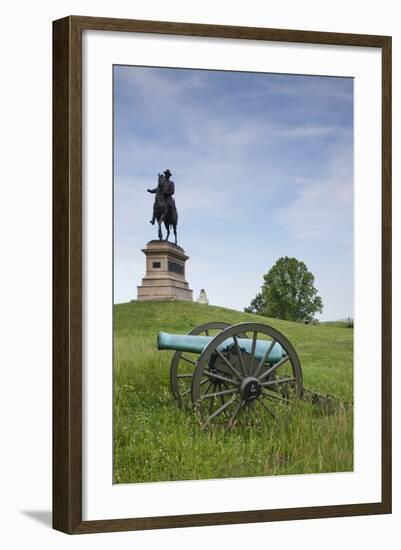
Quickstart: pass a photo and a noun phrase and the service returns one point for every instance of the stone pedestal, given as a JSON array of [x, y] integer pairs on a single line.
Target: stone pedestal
[[165, 273]]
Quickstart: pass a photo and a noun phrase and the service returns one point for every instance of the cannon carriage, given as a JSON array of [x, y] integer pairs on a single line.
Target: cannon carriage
[[221, 370]]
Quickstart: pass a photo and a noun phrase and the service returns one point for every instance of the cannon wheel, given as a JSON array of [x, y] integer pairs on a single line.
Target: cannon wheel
[[244, 380], [183, 366]]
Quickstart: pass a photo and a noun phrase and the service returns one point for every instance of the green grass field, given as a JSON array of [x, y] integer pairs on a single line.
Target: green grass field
[[154, 440]]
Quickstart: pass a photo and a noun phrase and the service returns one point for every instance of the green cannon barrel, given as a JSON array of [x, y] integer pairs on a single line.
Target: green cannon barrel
[[196, 344]]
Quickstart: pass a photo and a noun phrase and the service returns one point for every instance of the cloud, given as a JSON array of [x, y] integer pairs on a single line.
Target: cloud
[[178, 112], [312, 88], [324, 209], [157, 87], [307, 131]]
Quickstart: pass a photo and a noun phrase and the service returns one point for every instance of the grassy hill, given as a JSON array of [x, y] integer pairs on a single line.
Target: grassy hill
[[156, 441]]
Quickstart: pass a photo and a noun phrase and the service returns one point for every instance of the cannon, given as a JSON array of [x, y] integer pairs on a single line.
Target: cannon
[[221, 370]]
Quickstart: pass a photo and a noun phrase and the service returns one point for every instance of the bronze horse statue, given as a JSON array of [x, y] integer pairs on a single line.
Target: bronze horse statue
[[164, 209]]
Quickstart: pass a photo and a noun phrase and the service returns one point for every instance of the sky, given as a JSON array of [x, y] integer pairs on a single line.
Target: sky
[[262, 166]]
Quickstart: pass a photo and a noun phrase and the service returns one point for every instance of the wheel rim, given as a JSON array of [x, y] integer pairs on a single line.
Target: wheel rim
[[183, 365], [240, 378]]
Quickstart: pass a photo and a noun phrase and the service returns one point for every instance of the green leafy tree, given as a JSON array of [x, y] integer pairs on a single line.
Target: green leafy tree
[[288, 292], [258, 304]]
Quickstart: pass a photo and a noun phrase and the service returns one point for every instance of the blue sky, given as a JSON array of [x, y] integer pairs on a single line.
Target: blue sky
[[263, 168]]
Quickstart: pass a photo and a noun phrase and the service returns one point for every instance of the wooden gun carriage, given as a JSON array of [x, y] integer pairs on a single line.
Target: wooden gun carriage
[[221, 369]]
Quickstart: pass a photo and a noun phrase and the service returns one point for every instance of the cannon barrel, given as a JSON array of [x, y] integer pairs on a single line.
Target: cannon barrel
[[196, 344]]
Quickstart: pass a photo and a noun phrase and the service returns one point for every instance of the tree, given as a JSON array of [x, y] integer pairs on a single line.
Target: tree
[[257, 305], [288, 292]]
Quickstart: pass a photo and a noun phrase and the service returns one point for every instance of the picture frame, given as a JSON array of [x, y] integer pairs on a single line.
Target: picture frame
[[68, 222]]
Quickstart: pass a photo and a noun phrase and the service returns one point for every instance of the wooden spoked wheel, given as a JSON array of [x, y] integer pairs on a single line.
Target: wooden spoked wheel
[[183, 364], [229, 380]]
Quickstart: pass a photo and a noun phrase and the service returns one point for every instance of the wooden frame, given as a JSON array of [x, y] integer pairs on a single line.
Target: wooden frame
[[67, 274]]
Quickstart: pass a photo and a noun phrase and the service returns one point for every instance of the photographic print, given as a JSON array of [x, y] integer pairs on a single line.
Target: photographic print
[[233, 274]]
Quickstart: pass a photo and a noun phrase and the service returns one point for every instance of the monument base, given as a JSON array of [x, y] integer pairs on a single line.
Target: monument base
[[165, 273]]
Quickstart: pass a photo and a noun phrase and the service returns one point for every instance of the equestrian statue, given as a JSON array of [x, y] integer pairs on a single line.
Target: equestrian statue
[[164, 209]]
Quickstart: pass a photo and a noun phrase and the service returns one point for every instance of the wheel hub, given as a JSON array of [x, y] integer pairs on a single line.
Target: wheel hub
[[250, 388]]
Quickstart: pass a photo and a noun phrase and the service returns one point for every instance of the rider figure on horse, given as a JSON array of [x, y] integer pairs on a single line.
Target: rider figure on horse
[[164, 195]]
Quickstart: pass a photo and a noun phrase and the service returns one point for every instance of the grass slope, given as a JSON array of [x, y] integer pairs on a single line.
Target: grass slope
[[156, 441]]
